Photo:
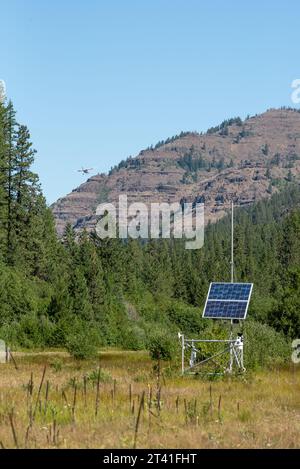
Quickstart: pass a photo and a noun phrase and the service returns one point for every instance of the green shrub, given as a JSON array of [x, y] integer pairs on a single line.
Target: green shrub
[[82, 341], [56, 364], [264, 346], [161, 345], [187, 318], [105, 376], [29, 332], [134, 338], [80, 347]]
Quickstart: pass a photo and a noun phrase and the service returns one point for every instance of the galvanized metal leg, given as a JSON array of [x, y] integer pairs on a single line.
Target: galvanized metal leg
[[182, 354]]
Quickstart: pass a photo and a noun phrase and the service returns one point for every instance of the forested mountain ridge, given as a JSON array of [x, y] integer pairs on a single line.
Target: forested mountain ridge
[[243, 161]]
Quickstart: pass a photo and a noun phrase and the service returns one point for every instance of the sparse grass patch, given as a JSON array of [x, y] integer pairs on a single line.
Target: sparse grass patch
[[96, 404], [104, 376]]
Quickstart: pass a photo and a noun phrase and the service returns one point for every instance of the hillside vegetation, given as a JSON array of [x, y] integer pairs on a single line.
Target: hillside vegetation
[[85, 293], [244, 161]]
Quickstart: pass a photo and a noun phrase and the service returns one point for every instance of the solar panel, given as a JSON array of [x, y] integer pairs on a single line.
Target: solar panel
[[230, 291], [227, 300]]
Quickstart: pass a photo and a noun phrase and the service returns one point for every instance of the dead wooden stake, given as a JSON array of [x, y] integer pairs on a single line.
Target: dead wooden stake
[[97, 392], [14, 361], [219, 408], [177, 404], [39, 392], [13, 428], [112, 397], [130, 395], [138, 420], [84, 389], [27, 434], [46, 397], [74, 402], [115, 388], [185, 410], [65, 397]]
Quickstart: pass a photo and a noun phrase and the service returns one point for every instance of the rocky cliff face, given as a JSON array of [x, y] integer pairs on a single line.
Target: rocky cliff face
[[240, 160]]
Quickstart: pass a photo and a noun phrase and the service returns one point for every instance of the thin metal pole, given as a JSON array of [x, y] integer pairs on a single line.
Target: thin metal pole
[[232, 271], [208, 340], [182, 355], [231, 242]]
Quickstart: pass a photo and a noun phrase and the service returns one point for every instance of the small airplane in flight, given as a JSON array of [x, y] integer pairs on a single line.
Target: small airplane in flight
[[85, 170]]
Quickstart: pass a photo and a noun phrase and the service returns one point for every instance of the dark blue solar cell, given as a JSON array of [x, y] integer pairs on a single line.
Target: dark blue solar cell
[[225, 309], [228, 300], [230, 291]]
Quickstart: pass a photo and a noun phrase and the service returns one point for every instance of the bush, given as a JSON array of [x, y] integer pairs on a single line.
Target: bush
[[161, 346], [29, 332], [134, 338], [82, 342], [186, 318], [264, 346], [80, 347]]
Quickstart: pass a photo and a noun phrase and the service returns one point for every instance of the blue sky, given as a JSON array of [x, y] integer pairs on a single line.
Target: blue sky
[[97, 81]]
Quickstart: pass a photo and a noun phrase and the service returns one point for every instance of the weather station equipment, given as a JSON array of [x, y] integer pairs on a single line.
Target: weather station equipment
[[226, 302]]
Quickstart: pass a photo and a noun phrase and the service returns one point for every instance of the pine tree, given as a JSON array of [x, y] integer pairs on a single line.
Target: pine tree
[[25, 181], [25, 194], [93, 272], [9, 168], [69, 242], [3, 174], [79, 294]]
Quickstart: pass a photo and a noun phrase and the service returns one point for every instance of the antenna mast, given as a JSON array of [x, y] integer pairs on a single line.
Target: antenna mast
[[231, 262]]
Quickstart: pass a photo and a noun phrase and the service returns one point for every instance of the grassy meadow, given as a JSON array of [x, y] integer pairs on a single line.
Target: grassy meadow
[[118, 401]]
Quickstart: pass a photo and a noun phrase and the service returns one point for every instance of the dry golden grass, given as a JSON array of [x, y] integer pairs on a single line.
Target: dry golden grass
[[259, 410]]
